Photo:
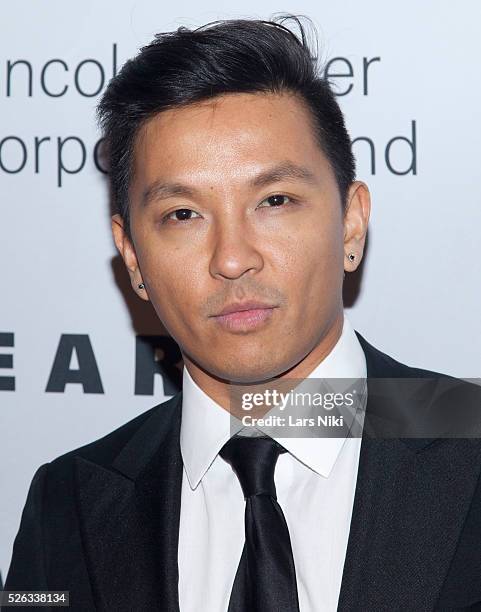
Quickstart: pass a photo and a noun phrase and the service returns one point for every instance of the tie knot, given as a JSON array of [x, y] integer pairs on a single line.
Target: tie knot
[[253, 459]]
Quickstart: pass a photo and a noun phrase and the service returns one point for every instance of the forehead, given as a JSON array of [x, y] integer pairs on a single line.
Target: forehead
[[234, 133]]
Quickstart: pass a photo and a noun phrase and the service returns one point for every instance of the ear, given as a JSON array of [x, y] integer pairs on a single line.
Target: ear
[[356, 219], [127, 251]]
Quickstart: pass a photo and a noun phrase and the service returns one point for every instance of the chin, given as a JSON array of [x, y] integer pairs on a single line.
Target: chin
[[249, 373]]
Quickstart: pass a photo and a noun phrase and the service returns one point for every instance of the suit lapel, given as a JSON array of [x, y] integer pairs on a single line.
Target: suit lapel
[[411, 499], [129, 517]]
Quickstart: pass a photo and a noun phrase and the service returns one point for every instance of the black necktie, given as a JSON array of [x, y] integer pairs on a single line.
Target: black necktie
[[266, 577]]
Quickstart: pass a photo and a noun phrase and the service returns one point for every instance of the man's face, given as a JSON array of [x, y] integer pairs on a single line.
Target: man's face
[[259, 218]]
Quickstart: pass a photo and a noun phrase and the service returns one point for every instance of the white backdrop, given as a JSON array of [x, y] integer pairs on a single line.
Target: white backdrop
[[62, 284]]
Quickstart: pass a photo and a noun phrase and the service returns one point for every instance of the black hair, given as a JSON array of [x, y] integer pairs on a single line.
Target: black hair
[[231, 56]]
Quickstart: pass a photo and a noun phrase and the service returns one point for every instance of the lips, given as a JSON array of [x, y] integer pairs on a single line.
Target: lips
[[241, 306]]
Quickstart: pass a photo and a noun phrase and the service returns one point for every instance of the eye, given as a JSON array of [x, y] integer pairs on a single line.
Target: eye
[[181, 214], [276, 200]]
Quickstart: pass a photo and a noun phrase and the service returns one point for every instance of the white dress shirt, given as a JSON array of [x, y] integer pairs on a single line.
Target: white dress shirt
[[315, 483]]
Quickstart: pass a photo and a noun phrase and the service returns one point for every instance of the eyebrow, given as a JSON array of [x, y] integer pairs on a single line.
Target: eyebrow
[[285, 171]]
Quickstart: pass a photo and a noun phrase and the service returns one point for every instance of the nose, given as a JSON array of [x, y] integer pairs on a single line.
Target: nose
[[235, 250]]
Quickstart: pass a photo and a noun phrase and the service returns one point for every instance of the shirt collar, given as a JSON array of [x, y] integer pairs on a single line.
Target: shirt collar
[[206, 426]]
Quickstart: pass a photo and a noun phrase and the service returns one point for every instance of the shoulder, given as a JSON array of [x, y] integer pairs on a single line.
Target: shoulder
[[448, 404], [104, 450], [382, 365]]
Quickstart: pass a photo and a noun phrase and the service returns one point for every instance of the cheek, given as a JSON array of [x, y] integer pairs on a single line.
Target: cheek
[[310, 260], [175, 288], [173, 282]]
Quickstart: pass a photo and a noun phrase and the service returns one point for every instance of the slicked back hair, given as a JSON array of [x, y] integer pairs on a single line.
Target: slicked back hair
[[231, 56]]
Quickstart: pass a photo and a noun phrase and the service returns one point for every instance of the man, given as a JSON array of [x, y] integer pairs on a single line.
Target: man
[[238, 214]]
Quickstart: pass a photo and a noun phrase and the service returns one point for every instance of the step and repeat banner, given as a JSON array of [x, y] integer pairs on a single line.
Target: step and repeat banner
[[80, 354]]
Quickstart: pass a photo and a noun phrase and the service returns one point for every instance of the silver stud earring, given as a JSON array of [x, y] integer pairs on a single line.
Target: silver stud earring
[[351, 257], [141, 286]]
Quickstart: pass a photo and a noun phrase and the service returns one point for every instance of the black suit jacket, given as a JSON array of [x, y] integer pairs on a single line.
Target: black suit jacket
[[102, 521]]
